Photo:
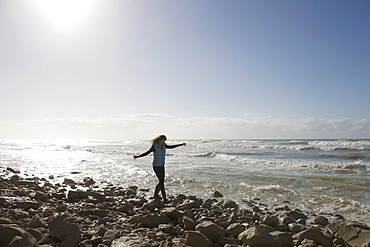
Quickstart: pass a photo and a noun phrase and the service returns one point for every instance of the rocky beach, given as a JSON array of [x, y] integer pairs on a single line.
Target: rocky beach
[[39, 212]]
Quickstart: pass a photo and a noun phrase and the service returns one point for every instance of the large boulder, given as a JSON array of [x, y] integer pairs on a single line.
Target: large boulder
[[167, 228], [270, 220], [100, 231], [229, 204], [321, 220], [68, 181], [126, 207], [189, 204], [36, 222], [256, 237], [189, 223], [88, 182], [314, 234], [285, 238], [172, 212], [99, 196], [61, 227], [197, 239], [18, 214], [13, 235], [110, 235], [353, 233], [235, 229], [41, 196], [217, 194], [285, 220], [295, 214], [70, 241], [295, 227], [153, 220], [12, 170], [212, 231], [26, 205], [77, 195]]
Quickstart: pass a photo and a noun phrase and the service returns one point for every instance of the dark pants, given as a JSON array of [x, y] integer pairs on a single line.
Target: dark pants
[[159, 171]]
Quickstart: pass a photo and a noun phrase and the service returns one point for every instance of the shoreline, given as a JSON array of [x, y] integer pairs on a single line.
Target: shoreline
[[37, 212]]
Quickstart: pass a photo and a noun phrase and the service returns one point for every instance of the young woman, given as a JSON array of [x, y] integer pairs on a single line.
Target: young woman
[[159, 149]]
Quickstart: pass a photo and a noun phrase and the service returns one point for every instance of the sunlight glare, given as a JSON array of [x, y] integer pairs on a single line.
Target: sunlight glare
[[64, 14]]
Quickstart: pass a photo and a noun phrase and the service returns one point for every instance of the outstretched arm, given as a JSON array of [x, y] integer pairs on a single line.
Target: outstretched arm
[[175, 146], [152, 149]]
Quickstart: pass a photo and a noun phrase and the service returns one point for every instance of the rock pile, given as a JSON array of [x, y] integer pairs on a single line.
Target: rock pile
[[36, 212]]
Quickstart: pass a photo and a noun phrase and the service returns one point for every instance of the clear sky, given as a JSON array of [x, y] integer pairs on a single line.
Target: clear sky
[[187, 68]]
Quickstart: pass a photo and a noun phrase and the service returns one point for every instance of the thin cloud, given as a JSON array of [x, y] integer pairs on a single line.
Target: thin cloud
[[149, 115], [151, 124]]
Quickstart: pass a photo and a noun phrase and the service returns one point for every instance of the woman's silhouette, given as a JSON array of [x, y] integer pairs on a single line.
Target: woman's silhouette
[[158, 148]]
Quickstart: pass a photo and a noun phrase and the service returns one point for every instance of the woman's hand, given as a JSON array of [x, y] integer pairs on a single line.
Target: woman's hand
[[135, 157], [184, 144]]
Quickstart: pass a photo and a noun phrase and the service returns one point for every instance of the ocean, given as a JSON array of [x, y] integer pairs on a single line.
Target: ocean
[[323, 176]]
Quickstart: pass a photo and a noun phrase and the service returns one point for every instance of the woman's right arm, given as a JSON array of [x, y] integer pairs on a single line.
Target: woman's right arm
[[152, 149]]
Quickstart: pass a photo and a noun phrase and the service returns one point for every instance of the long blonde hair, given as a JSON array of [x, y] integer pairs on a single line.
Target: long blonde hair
[[159, 138]]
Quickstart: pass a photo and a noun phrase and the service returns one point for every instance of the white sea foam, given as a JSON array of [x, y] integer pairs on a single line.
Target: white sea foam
[[355, 166], [325, 145]]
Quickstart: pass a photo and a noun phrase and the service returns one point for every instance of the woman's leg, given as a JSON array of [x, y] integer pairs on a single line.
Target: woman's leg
[[160, 172]]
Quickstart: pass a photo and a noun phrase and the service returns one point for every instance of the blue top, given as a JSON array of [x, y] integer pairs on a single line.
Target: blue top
[[159, 155]]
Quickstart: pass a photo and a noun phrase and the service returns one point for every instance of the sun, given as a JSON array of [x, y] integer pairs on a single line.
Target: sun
[[65, 14]]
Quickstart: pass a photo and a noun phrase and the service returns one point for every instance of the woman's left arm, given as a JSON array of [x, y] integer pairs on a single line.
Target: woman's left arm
[[175, 146]]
